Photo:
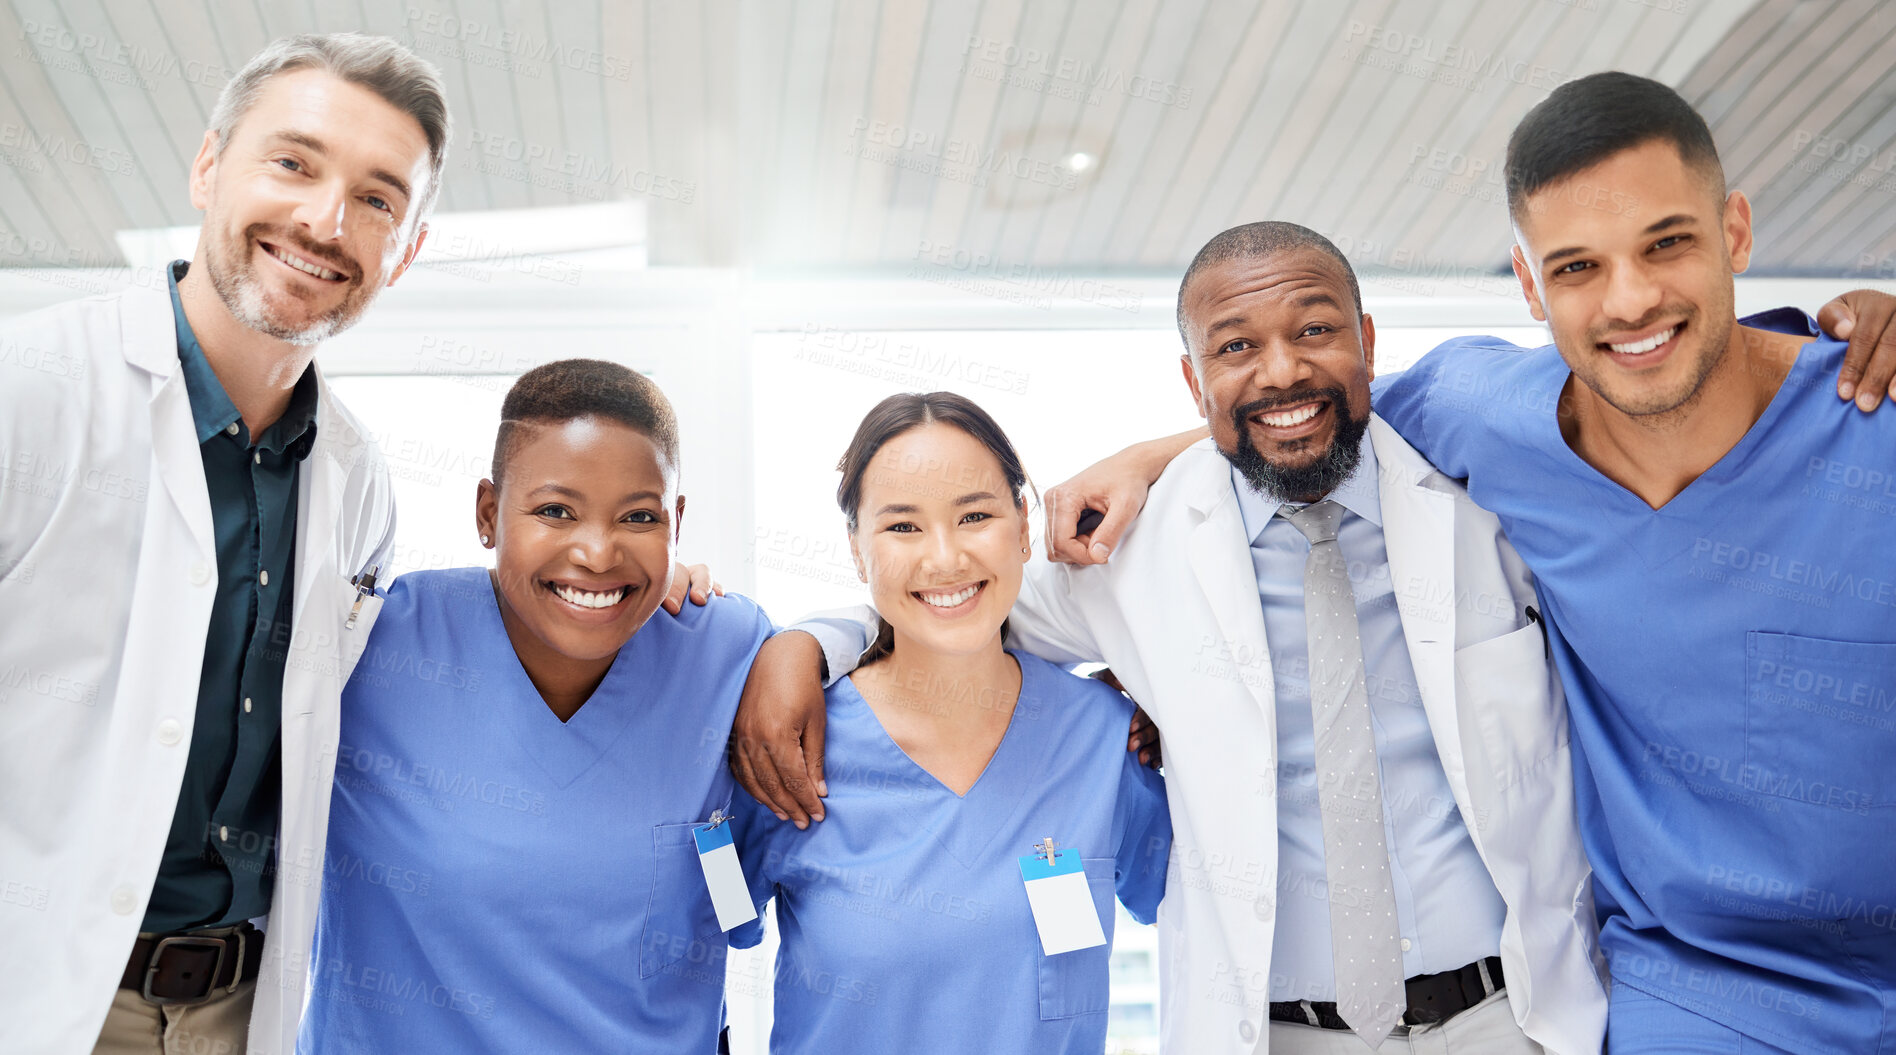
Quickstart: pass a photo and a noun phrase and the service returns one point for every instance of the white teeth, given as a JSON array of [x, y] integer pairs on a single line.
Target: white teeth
[[588, 599], [1647, 345], [949, 600], [308, 269], [1287, 418]]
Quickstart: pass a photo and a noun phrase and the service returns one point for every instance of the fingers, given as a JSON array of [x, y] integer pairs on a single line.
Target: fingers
[[1867, 319], [674, 601], [746, 776], [1063, 519], [1119, 514], [813, 742], [784, 759], [1838, 319], [1879, 375], [753, 768], [700, 576]]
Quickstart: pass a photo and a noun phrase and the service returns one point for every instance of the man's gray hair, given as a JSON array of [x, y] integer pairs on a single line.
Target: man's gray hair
[[403, 79]]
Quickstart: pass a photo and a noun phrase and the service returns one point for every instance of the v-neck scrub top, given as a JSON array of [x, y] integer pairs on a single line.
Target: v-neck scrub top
[[497, 880], [903, 915], [1729, 661]]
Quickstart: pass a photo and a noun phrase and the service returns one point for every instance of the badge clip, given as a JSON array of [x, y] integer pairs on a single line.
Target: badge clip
[[365, 589]]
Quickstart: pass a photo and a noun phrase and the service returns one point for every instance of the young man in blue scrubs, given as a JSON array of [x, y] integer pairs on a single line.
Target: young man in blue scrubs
[[1711, 537], [525, 753], [1713, 541]]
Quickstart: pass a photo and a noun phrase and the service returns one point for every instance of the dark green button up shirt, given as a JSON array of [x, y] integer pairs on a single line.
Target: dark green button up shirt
[[220, 858]]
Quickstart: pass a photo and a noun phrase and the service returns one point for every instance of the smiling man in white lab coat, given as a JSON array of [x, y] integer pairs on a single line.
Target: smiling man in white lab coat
[[185, 513]]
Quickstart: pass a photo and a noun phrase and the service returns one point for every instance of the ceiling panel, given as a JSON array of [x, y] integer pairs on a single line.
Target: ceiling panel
[[847, 134]]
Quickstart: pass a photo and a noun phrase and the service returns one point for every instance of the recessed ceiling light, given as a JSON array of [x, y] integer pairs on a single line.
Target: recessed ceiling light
[[1080, 161]]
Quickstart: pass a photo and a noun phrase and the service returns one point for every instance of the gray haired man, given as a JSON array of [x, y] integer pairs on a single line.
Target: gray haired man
[[167, 765]]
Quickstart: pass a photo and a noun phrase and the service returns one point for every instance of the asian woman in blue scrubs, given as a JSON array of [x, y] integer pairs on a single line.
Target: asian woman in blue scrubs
[[905, 918], [524, 753]]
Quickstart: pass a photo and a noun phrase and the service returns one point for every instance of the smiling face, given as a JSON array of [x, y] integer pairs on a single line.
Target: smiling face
[[585, 521], [940, 540], [1279, 364], [1630, 264], [309, 209]]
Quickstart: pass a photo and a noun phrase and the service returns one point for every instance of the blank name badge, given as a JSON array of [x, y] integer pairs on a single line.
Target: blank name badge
[[723, 876], [1064, 912]]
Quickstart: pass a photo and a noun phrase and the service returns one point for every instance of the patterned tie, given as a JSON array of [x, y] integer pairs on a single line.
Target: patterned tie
[[1365, 938]]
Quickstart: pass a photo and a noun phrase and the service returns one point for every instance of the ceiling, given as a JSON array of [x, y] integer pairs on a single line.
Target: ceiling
[[883, 136]]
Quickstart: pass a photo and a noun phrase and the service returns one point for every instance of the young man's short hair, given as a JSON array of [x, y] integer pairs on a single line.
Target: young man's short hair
[[1588, 120]]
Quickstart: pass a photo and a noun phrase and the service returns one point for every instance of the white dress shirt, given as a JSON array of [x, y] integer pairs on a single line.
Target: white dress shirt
[[1446, 903]]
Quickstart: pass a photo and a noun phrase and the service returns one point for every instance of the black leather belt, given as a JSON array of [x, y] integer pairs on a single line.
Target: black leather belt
[[189, 968], [1432, 998]]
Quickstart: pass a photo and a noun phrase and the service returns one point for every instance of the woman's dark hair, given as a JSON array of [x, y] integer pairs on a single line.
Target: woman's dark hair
[[899, 414], [569, 389]]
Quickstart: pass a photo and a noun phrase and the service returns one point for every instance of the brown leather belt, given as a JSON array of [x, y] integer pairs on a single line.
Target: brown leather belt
[[1432, 998], [190, 968]]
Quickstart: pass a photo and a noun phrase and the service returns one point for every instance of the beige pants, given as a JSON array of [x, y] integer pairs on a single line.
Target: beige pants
[[218, 1026], [1486, 1029]]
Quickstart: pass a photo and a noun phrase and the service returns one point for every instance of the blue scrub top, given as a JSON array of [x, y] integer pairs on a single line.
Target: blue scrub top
[[904, 916], [1730, 667], [497, 880]]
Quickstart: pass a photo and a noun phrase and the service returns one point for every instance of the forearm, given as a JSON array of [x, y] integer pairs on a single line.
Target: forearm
[[839, 635], [1154, 455]]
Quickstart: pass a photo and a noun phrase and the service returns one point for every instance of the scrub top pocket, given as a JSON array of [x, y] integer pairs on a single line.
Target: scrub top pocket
[[1820, 720], [679, 920], [1077, 983]]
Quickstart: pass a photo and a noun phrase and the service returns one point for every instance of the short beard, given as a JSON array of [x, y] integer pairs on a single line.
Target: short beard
[[1318, 478], [238, 286]]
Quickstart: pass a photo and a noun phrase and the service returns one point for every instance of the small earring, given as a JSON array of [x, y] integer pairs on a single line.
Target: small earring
[[485, 541], [1026, 551]]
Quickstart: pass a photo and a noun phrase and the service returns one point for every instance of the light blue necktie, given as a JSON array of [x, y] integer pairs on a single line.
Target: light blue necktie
[[1365, 936]]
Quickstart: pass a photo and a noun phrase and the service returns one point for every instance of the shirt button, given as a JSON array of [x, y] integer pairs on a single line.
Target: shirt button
[[170, 732], [231, 428], [256, 457], [246, 705], [223, 833], [200, 573], [124, 899], [1263, 908], [1405, 945], [1247, 1032], [263, 578]]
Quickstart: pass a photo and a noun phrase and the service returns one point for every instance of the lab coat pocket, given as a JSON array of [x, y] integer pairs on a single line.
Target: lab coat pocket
[[1078, 983], [1817, 720], [1503, 690], [680, 923]]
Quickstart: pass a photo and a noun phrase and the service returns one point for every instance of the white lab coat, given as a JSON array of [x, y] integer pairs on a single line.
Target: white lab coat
[[107, 569], [1177, 617]]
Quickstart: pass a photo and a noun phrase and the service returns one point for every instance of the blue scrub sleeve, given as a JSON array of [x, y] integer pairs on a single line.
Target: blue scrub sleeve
[[1429, 403], [1144, 824]]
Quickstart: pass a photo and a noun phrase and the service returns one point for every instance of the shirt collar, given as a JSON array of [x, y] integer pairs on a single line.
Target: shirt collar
[[1356, 494], [211, 408]]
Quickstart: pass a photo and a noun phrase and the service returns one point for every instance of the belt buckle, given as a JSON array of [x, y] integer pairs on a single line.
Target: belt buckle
[[185, 941]]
